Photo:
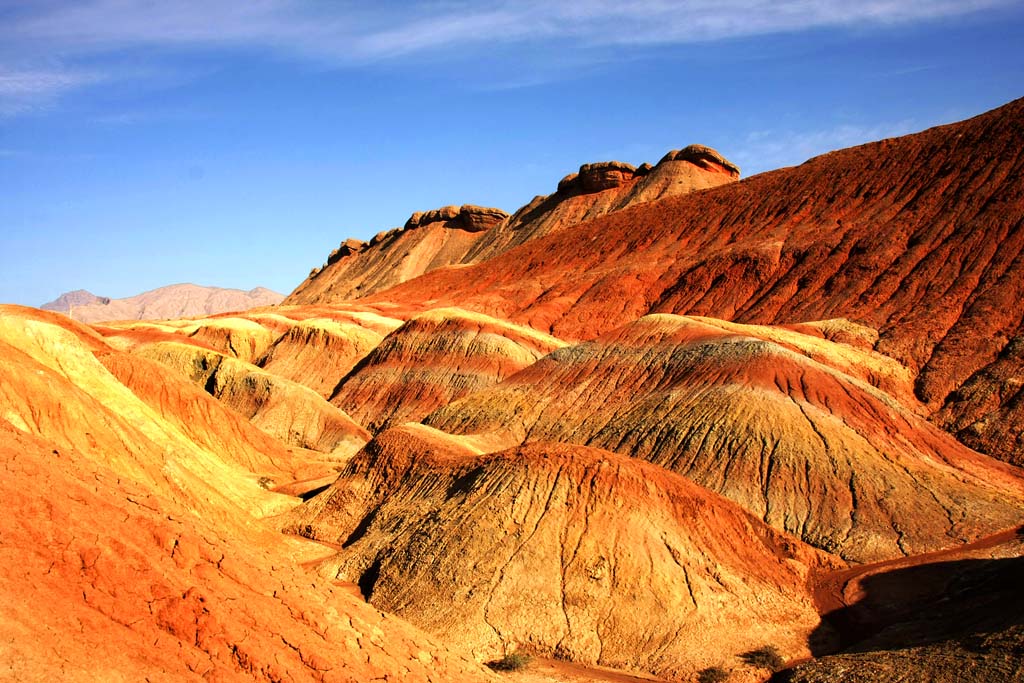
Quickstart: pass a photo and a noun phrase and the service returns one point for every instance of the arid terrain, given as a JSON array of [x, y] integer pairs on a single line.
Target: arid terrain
[[663, 423]]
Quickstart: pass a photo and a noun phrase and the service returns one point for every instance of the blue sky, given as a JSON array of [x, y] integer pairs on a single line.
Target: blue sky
[[145, 143]]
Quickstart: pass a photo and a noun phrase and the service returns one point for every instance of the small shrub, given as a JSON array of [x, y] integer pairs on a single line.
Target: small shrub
[[513, 661], [266, 482], [713, 674], [766, 657]]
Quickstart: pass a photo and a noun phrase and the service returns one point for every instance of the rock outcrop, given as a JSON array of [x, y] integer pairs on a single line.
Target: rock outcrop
[[467, 217], [453, 236], [596, 177], [703, 156], [346, 248]]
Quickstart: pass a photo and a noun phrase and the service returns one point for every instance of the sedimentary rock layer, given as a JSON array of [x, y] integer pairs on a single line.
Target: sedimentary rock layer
[[920, 238], [764, 417], [564, 550], [292, 413], [433, 359], [451, 236]]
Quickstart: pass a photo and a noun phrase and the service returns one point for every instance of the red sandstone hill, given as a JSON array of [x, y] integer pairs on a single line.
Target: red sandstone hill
[[134, 544], [657, 401], [460, 235], [920, 238]]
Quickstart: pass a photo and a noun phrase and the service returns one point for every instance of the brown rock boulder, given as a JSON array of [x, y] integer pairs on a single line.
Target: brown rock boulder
[[703, 156], [479, 218], [596, 177]]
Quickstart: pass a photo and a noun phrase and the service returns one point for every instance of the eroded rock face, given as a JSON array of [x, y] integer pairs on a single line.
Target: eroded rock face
[[547, 546], [467, 217], [134, 548], [433, 359], [902, 235], [785, 425]]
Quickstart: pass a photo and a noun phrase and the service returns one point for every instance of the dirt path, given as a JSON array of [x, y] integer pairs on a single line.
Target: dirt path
[[839, 589]]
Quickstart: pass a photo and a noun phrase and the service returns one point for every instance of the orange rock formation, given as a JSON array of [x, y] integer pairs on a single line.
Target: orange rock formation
[[655, 420]]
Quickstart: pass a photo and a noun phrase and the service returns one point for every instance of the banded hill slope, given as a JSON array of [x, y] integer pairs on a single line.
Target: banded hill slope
[[919, 238], [172, 301], [744, 411], [574, 551], [136, 545], [656, 420]]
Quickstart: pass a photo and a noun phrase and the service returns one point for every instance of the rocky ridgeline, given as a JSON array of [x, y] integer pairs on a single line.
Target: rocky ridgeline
[[466, 217], [469, 233], [606, 175]]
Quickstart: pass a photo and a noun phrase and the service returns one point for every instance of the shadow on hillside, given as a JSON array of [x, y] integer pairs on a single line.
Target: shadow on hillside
[[961, 600]]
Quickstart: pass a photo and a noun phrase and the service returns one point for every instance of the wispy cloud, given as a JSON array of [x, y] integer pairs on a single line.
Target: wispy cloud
[[31, 89], [765, 150], [347, 33]]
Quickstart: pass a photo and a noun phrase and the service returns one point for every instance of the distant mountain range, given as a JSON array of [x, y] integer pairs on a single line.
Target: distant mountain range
[[172, 301]]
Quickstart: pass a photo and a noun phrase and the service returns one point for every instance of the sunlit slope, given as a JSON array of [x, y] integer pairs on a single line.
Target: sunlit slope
[[766, 417]]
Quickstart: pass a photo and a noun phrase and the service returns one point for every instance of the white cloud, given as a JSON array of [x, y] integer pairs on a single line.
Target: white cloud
[[31, 89], [346, 33]]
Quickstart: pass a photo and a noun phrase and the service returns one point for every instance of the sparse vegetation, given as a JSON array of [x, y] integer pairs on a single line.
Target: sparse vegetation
[[514, 661], [266, 482], [713, 674], [767, 657]]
